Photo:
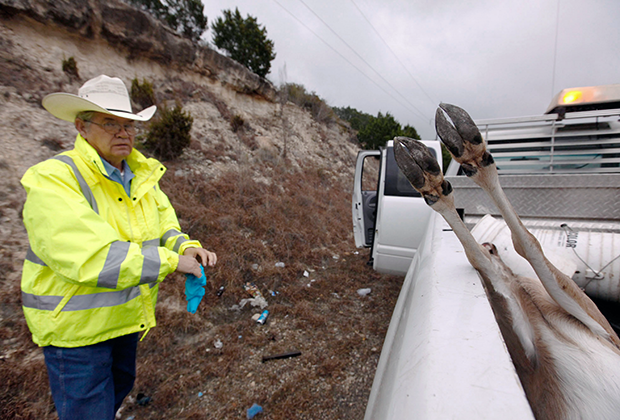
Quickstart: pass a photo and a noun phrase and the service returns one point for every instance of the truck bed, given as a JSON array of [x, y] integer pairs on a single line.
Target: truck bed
[[443, 355], [551, 206]]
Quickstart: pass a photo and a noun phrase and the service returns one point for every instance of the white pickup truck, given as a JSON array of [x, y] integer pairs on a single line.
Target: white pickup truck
[[443, 356]]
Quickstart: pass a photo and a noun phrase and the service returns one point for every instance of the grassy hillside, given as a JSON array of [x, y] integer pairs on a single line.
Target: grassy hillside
[[274, 189], [300, 218]]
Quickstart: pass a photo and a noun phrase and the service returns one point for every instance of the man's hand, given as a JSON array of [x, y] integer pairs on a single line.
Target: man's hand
[[205, 257], [189, 265]]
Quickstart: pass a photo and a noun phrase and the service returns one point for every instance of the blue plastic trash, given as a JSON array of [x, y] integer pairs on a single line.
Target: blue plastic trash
[[254, 410], [194, 290]]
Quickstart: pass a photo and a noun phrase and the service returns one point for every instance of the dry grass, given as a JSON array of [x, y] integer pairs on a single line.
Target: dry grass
[[301, 218]]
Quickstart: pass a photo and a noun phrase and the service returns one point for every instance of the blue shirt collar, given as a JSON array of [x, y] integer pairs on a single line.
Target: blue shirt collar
[[114, 174]]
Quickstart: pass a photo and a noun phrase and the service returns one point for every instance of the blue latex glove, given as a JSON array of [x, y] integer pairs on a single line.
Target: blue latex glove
[[194, 290]]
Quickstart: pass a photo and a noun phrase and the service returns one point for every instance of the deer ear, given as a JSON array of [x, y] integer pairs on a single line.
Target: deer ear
[[491, 248]]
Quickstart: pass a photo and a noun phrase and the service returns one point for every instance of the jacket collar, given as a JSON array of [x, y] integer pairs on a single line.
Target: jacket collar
[[147, 171], [136, 160]]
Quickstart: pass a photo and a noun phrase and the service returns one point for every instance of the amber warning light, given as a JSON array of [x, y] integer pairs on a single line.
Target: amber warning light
[[588, 98], [572, 97]]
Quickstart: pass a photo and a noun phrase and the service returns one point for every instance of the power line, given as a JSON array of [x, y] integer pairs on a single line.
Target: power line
[[343, 57], [393, 53], [555, 49], [420, 113]]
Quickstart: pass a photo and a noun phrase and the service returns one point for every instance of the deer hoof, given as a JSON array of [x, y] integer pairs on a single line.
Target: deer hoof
[[421, 169], [462, 138]]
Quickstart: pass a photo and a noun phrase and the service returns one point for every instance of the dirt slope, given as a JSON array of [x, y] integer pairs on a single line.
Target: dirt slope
[[276, 190]]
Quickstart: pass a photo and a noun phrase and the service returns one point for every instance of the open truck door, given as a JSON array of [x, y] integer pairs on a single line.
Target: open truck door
[[364, 203], [383, 203]]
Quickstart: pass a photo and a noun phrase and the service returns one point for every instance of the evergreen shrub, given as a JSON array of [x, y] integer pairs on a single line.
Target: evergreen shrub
[[169, 134], [142, 93], [69, 66]]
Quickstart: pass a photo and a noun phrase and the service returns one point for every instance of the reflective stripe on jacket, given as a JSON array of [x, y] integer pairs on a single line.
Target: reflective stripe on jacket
[[96, 255]]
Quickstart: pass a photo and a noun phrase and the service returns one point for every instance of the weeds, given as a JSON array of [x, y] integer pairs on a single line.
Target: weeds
[[302, 219], [69, 66], [236, 123], [311, 102]]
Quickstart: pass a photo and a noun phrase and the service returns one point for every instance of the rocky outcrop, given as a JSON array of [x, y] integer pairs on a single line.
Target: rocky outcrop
[[237, 128], [138, 35]]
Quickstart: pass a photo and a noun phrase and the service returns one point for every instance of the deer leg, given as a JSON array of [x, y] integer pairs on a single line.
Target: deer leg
[[423, 172], [465, 143]]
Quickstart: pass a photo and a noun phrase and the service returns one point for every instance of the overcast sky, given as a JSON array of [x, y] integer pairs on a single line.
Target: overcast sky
[[495, 58]]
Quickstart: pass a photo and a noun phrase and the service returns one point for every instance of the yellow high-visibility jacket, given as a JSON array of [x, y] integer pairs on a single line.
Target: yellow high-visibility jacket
[[96, 255]]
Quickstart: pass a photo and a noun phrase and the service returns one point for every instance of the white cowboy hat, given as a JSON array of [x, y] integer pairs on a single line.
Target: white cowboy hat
[[102, 94]]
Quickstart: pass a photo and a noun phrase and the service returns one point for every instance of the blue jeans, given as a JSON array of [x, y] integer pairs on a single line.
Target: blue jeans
[[91, 382]]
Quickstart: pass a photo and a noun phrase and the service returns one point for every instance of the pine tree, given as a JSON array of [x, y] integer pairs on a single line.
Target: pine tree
[[244, 40]]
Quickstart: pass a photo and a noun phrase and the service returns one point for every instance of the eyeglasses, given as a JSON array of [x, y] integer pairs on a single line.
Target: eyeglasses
[[113, 127]]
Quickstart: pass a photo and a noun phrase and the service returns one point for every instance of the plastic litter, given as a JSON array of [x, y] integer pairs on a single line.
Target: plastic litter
[[254, 410], [252, 289], [280, 264], [218, 344], [306, 274], [200, 394], [258, 301], [257, 296], [194, 290], [220, 291], [263, 317], [363, 292]]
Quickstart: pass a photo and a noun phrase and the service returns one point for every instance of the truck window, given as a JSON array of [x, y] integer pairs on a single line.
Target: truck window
[[396, 184], [370, 173]]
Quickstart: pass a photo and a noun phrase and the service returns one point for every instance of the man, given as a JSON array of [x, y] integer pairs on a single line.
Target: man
[[102, 236]]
